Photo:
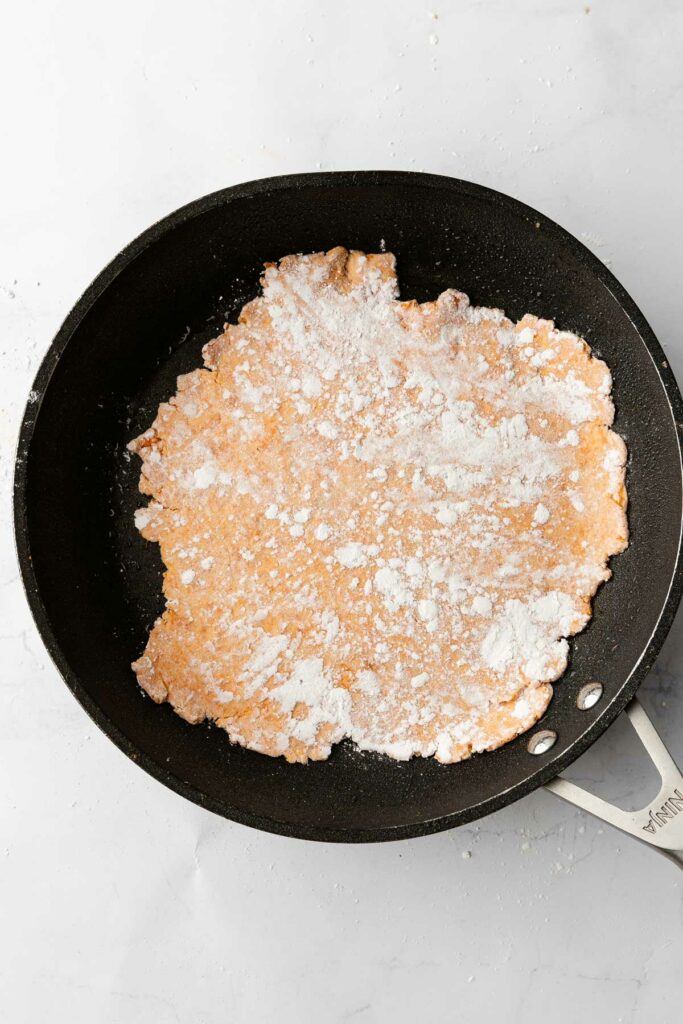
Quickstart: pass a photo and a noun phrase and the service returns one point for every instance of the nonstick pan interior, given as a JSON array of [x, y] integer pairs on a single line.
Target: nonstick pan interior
[[95, 586]]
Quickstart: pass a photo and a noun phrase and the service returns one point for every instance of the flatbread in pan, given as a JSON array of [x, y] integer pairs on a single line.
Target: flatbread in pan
[[380, 519]]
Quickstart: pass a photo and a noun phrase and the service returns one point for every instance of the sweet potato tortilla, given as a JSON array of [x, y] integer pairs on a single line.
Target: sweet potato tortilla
[[379, 519]]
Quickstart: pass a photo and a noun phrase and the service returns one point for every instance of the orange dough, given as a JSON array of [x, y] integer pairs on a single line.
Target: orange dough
[[379, 519]]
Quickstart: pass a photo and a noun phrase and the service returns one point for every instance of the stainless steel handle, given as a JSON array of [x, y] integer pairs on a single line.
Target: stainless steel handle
[[659, 824]]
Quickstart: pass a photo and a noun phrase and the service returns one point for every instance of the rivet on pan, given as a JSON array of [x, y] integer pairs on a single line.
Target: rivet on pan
[[542, 741], [589, 695]]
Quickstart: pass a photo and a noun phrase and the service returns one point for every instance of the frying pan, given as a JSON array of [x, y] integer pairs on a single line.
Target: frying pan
[[94, 585]]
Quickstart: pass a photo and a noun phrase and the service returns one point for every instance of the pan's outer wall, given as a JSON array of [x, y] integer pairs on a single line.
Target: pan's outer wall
[[94, 585]]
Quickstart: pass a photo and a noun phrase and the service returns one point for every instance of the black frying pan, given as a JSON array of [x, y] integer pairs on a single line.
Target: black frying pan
[[94, 585]]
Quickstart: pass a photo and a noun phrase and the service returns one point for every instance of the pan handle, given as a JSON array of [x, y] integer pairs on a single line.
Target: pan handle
[[660, 823]]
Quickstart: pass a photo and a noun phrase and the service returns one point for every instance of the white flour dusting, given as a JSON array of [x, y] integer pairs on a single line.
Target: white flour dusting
[[381, 520]]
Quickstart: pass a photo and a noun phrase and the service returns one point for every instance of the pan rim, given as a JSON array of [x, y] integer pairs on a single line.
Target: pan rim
[[550, 766]]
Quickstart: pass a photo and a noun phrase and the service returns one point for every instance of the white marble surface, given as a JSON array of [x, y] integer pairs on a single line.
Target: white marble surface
[[120, 902]]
